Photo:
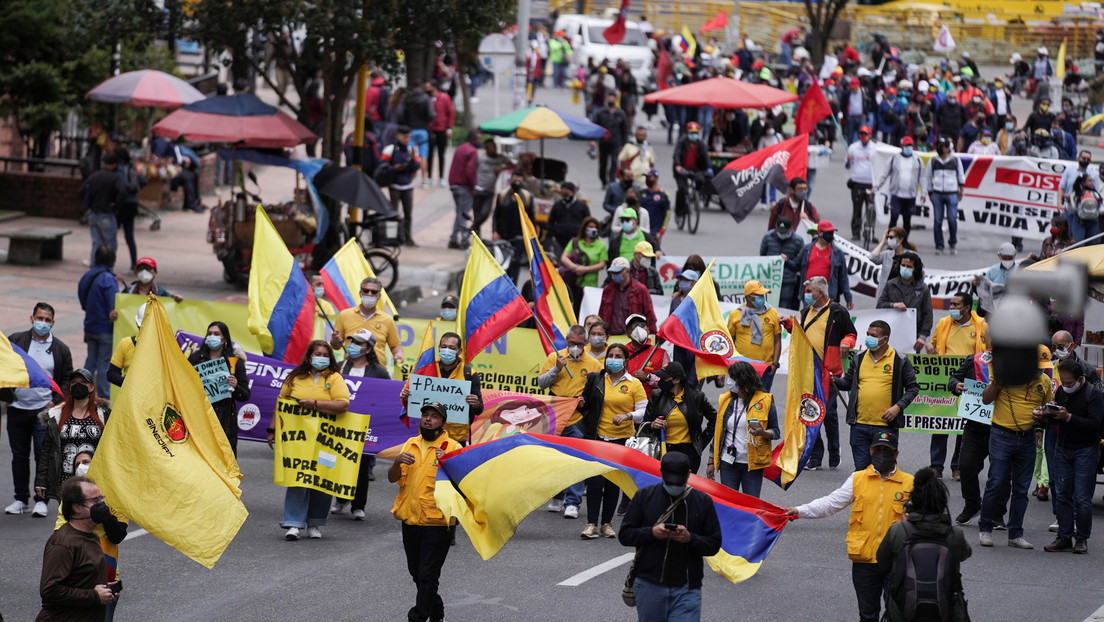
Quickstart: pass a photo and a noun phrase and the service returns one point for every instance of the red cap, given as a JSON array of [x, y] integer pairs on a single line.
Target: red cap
[[693, 126], [907, 140], [865, 130], [854, 83], [757, 64], [146, 261], [824, 226]]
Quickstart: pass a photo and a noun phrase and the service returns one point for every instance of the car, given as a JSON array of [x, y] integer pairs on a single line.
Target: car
[[587, 42]]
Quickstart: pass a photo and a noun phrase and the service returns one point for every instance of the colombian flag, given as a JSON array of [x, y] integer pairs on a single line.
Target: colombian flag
[[281, 303], [490, 303], [341, 277], [806, 405], [426, 364], [553, 311], [480, 485], [19, 371]]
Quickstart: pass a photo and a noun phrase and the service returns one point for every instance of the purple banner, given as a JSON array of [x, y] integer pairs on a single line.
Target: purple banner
[[368, 396]]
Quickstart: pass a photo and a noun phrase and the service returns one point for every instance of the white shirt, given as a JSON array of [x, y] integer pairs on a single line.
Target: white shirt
[[907, 176], [855, 104], [860, 155], [736, 434], [1002, 102], [42, 353], [357, 372], [834, 501]]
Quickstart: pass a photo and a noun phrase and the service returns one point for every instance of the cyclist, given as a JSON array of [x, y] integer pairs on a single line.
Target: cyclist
[[862, 180], [691, 159]]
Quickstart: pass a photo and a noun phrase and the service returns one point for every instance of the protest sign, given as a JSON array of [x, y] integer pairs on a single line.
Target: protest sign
[[730, 274], [451, 393], [318, 450], [970, 406], [935, 409], [215, 376], [506, 413]]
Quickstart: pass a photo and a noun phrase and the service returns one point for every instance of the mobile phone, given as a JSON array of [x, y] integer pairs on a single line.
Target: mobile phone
[[670, 526], [1052, 407], [116, 586]]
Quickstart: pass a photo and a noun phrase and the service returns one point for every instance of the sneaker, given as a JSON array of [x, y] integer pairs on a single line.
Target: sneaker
[[1080, 546], [338, 507], [442, 183], [590, 533], [954, 251], [314, 533], [1000, 526], [425, 183], [358, 514], [40, 509], [833, 461], [17, 507], [1060, 544], [1053, 528], [966, 516], [292, 533], [938, 473], [985, 538], [1020, 543], [555, 505], [607, 531], [939, 251], [571, 511], [812, 466]]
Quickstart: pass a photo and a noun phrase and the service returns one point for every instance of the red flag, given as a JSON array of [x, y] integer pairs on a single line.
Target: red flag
[[813, 107], [740, 184], [717, 22], [792, 154], [616, 32]]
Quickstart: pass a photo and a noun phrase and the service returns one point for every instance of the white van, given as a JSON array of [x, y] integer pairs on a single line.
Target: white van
[[585, 34]]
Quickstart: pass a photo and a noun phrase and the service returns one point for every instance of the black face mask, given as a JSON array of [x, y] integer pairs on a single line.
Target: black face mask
[[99, 513], [431, 435], [79, 391], [828, 237], [632, 201], [515, 186], [667, 385], [883, 461]]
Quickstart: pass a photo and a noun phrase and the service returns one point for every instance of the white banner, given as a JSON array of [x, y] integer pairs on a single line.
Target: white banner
[[730, 274], [863, 274]]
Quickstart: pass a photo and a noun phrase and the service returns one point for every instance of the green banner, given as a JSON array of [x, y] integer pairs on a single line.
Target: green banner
[[935, 409]]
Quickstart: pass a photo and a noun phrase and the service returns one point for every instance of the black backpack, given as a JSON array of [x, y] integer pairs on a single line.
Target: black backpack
[[925, 582]]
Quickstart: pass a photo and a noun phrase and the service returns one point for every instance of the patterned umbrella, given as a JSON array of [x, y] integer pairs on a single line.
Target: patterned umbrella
[[146, 87], [542, 122], [241, 119]]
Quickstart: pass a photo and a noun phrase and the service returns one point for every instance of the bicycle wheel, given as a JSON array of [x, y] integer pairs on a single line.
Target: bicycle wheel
[[693, 215], [384, 265]]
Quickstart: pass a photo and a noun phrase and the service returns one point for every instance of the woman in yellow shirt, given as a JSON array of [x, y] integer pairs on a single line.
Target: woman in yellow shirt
[[316, 384], [613, 401], [683, 413]]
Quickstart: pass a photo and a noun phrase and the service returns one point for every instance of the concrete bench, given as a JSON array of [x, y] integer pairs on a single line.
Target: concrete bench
[[32, 245]]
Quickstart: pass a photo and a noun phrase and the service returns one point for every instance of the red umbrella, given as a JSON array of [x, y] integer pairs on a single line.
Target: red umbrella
[[722, 93], [145, 87], [240, 119]]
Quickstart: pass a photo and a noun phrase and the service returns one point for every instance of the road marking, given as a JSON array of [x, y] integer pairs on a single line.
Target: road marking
[[1096, 615], [602, 568], [137, 533]]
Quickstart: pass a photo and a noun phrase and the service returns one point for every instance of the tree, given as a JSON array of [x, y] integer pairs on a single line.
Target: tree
[[822, 16]]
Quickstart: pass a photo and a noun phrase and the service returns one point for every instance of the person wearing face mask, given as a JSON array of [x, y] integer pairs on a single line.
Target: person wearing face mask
[[643, 269], [1005, 133], [684, 282], [645, 357], [567, 214], [991, 285], [628, 234], [623, 297], [1040, 118], [795, 205], [782, 241], [146, 282], [597, 338], [448, 366], [756, 330], [361, 362], [25, 432], [944, 180], [668, 570], [682, 412], [903, 177], [564, 374], [637, 155], [405, 160], [741, 446], [656, 205], [324, 311], [584, 256], [887, 253], [74, 425], [367, 315], [615, 192], [1069, 198], [506, 222], [691, 159], [426, 532], [613, 119], [219, 345], [906, 290], [632, 201], [984, 145], [449, 306], [1074, 421], [881, 383], [1064, 348], [877, 495], [769, 138], [613, 402], [971, 132], [822, 258], [1000, 97]]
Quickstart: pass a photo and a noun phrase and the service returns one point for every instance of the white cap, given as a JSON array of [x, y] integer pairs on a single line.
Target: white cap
[[965, 55], [1015, 58], [904, 84], [364, 336], [618, 264], [1006, 250], [138, 317], [1043, 51], [922, 86]]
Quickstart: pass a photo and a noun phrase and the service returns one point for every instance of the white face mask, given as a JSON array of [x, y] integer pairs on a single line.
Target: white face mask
[[891, 243], [1074, 388], [574, 351], [81, 470], [1007, 263], [639, 334], [144, 277], [369, 301]]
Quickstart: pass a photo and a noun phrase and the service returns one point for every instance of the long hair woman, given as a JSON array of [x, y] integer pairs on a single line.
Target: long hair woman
[[742, 438], [73, 426], [218, 344]]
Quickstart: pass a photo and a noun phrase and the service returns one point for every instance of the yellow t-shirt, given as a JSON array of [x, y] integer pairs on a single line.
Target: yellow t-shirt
[[741, 335], [571, 385], [815, 331], [316, 387], [621, 398], [961, 339], [598, 357], [382, 326], [123, 354], [875, 388], [678, 428], [1013, 406]]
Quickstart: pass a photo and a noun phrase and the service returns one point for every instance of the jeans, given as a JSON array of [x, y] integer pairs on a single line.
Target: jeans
[[945, 202], [104, 230], [868, 581], [831, 432], [126, 223], [601, 496], [938, 451], [482, 202], [461, 226], [1011, 458], [405, 198], [607, 160], [426, 548], [737, 476], [559, 72], [852, 125], [903, 207], [1081, 229], [305, 507], [25, 433], [665, 603], [573, 494], [437, 147], [862, 435], [99, 358], [1073, 481], [768, 378]]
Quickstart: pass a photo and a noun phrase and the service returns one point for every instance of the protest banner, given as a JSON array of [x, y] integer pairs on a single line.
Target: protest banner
[[935, 409], [450, 393], [730, 274], [318, 450], [506, 413], [863, 274], [215, 376], [971, 407]]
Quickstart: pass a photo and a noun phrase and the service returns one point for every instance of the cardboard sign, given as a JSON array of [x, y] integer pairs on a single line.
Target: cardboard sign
[[317, 450], [970, 406], [452, 393], [935, 409], [215, 376]]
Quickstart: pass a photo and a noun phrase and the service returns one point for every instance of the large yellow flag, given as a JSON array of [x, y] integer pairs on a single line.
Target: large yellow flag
[[1061, 70], [164, 461]]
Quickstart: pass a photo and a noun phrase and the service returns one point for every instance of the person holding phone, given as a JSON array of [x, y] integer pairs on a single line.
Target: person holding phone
[[742, 439]]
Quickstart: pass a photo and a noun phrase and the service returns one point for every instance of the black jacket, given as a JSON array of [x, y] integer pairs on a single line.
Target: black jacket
[[1086, 405], [771, 244], [703, 153], [565, 219], [905, 387], [63, 359], [594, 395], [694, 406], [667, 562]]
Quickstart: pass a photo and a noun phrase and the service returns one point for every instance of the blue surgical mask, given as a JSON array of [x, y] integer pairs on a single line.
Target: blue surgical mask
[[448, 314], [627, 226], [213, 342], [808, 300], [353, 350], [41, 328], [759, 301], [956, 314], [906, 151], [872, 342], [447, 355], [617, 277], [693, 136], [674, 491], [685, 286], [1009, 126], [320, 362], [319, 292], [615, 365], [906, 273]]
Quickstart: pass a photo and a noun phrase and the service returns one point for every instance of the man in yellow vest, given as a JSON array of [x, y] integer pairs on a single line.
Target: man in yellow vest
[[962, 333], [756, 331], [877, 496], [426, 533], [564, 374]]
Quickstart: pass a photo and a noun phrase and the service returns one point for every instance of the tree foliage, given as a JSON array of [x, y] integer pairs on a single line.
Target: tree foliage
[[822, 15]]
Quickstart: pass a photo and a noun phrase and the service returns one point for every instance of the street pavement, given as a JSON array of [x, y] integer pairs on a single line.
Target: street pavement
[[357, 571]]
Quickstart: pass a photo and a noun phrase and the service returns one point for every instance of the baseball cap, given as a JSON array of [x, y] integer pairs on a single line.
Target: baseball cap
[[652, 173], [634, 318], [83, 373], [672, 370], [825, 226], [1045, 361], [885, 439], [783, 223], [755, 288], [865, 130], [854, 83], [689, 275], [986, 132], [146, 261], [364, 336], [1006, 250], [675, 468], [644, 248], [450, 301], [906, 141], [618, 264], [628, 212], [437, 406]]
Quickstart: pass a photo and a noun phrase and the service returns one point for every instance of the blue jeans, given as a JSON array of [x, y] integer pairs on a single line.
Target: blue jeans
[[305, 507], [737, 477], [25, 434], [1072, 482], [938, 451], [99, 358], [831, 432], [573, 494], [945, 202], [862, 435], [1081, 229], [768, 376], [1011, 460], [104, 230], [663, 603]]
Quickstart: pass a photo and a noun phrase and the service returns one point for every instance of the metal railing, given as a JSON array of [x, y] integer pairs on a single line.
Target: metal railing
[[39, 165]]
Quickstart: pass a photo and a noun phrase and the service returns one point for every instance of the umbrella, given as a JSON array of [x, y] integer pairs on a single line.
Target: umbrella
[[234, 119], [722, 92], [352, 186], [543, 122], [145, 87]]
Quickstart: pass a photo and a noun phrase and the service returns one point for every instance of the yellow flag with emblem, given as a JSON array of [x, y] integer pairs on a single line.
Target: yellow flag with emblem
[[164, 461]]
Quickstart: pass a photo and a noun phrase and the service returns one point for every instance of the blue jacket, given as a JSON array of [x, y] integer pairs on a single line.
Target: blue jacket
[[96, 291], [771, 244], [838, 281]]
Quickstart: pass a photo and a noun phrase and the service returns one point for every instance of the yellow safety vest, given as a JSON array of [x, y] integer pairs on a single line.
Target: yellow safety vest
[[878, 504], [759, 449]]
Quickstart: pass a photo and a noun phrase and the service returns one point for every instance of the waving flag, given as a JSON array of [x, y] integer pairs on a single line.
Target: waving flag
[[492, 486], [281, 302], [697, 325], [553, 311], [717, 22], [426, 365], [806, 404], [490, 303], [19, 371], [615, 33], [741, 182], [341, 277], [814, 106], [165, 461]]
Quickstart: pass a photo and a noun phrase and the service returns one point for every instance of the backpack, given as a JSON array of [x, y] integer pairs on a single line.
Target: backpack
[[1088, 208], [384, 174], [925, 584]]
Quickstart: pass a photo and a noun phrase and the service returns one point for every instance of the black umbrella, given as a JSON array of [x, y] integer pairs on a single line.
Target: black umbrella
[[353, 186]]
